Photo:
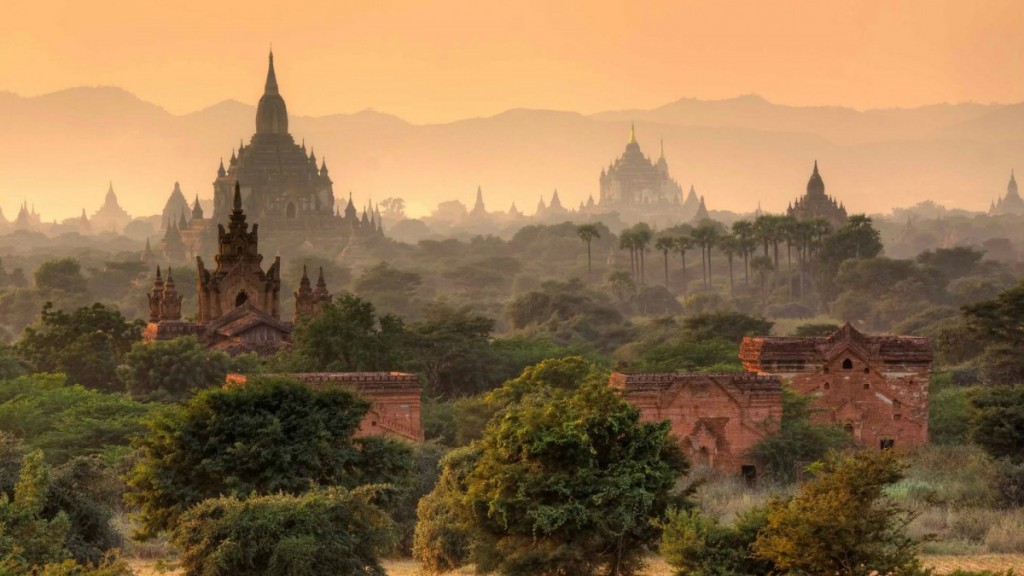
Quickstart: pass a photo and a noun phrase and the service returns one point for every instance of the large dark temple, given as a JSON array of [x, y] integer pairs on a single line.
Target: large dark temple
[[816, 204], [283, 186]]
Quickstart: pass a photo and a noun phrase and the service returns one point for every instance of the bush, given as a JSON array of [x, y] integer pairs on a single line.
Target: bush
[[171, 370], [798, 440], [443, 534], [1008, 483], [697, 545], [1006, 536], [947, 416], [328, 531]]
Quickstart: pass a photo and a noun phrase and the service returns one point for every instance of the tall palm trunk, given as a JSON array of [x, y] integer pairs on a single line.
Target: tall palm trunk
[[732, 288], [666, 269]]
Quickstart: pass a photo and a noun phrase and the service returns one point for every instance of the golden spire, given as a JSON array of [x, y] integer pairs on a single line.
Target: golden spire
[[632, 134]]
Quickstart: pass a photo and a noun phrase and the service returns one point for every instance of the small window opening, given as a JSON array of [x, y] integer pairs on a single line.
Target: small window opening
[[866, 370], [749, 474], [827, 386], [887, 443], [867, 386], [373, 423], [847, 364], [242, 298], [848, 428]]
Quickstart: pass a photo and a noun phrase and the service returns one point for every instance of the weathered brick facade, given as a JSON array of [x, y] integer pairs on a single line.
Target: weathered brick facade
[[716, 418], [876, 387], [394, 399]]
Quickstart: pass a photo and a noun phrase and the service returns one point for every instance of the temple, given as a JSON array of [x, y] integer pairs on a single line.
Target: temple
[[239, 301], [284, 187], [816, 204], [110, 217], [715, 418], [1011, 203], [875, 387], [633, 181]]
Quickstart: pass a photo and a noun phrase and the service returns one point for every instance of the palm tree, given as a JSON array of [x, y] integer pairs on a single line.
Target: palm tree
[[729, 245], [705, 236], [643, 235], [666, 245], [684, 243], [587, 233], [762, 265], [787, 232], [743, 231], [627, 241]]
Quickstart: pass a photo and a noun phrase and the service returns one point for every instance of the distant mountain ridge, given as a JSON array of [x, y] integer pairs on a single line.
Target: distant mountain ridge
[[59, 150]]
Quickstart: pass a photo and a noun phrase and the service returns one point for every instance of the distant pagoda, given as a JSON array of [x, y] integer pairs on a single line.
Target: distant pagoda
[[1011, 203], [111, 217], [633, 180], [816, 204]]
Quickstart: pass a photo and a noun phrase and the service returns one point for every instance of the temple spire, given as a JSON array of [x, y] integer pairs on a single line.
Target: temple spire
[[237, 204], [632, 133], [271, 86]]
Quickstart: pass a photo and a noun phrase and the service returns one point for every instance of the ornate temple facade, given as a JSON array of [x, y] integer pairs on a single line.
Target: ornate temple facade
[[715, 418], [875, 387], [1009, 204], [284, 187], [238, 301], [634, 181], [816, 204]]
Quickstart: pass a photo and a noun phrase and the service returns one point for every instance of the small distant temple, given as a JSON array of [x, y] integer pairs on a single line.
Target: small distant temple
[[111, 217], [239, 302], [633, 180], [875, 387], [715, 418], [1009, 204], [816, 204]]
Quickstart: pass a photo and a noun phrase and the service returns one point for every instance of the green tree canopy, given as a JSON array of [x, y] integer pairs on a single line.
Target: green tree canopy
[[348, 336], [86, 344], [265, 437], [325, 531], [171, 369]]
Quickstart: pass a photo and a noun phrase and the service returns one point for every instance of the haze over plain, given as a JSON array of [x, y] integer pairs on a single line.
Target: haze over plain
[[432, 65]]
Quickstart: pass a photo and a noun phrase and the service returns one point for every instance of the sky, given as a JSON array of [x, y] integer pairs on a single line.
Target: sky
[[439, 61]]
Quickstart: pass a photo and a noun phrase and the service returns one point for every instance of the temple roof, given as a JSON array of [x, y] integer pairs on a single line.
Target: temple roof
[[271, 113]]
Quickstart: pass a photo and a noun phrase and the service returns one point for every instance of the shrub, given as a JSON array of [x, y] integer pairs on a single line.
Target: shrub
[[328, 531], [797, 441], [698, 545], [171, 370], [1006, 536]]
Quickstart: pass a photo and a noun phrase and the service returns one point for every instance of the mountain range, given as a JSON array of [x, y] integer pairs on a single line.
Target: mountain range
[[59, 151]]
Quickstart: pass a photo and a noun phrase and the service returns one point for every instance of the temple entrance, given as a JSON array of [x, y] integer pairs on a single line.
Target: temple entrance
[[242, 298], [290, 210]]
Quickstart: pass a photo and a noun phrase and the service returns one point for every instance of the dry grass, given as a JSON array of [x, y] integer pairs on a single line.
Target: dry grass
[[658, 567]]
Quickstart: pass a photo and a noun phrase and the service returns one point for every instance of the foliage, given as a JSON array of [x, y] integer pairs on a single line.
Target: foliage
[[388, 288], [948, 415], [731, 326], [565, 479], [451, 347], [264, 437], [841, 522], [443, 534], [27, 538], [68, 421], [348, 336], [698, 545], [171, 370], [807, 330], [997, 420], [86, 344], [799, 441], [324, 531], [63, 274], [408, 489], [88, 492]]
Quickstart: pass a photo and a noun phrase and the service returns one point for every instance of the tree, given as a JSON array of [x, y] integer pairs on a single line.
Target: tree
[[443, 535], [762, 266], [706, 236], [264, 437], [798, 440], [587, 233], [841, 522], [729, 246], [996, 324], [743, 231], [451, 347], [730, 326], [324, 531], [389, 289], [86, 344], [997, 420], [684, 243], [642, 236], [64, 275], [566, 482], [348, 336], [171, 370], [665, 245], [698, 545]]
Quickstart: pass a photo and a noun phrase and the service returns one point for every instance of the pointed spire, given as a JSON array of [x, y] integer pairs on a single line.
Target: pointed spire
[[632, 133], [271, 85], [220, 170], [237, 203], [662, 157], [815, 168]]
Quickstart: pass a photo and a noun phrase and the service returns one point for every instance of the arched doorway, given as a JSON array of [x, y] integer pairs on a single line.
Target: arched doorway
[[242, 298]]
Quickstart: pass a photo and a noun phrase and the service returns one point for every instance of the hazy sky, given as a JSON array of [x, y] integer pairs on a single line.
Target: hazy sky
[[443, 60]]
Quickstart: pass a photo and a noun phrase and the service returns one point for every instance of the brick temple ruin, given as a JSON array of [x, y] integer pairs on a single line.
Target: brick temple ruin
[[394, 399], [874, 387], [716, 418]]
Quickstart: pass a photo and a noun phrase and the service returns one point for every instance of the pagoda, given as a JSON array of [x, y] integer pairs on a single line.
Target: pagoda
[[1011, 203], [816, 204], [110, 217]]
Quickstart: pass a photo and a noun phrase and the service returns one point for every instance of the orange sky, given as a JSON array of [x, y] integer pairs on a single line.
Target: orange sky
[[444, 60]]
